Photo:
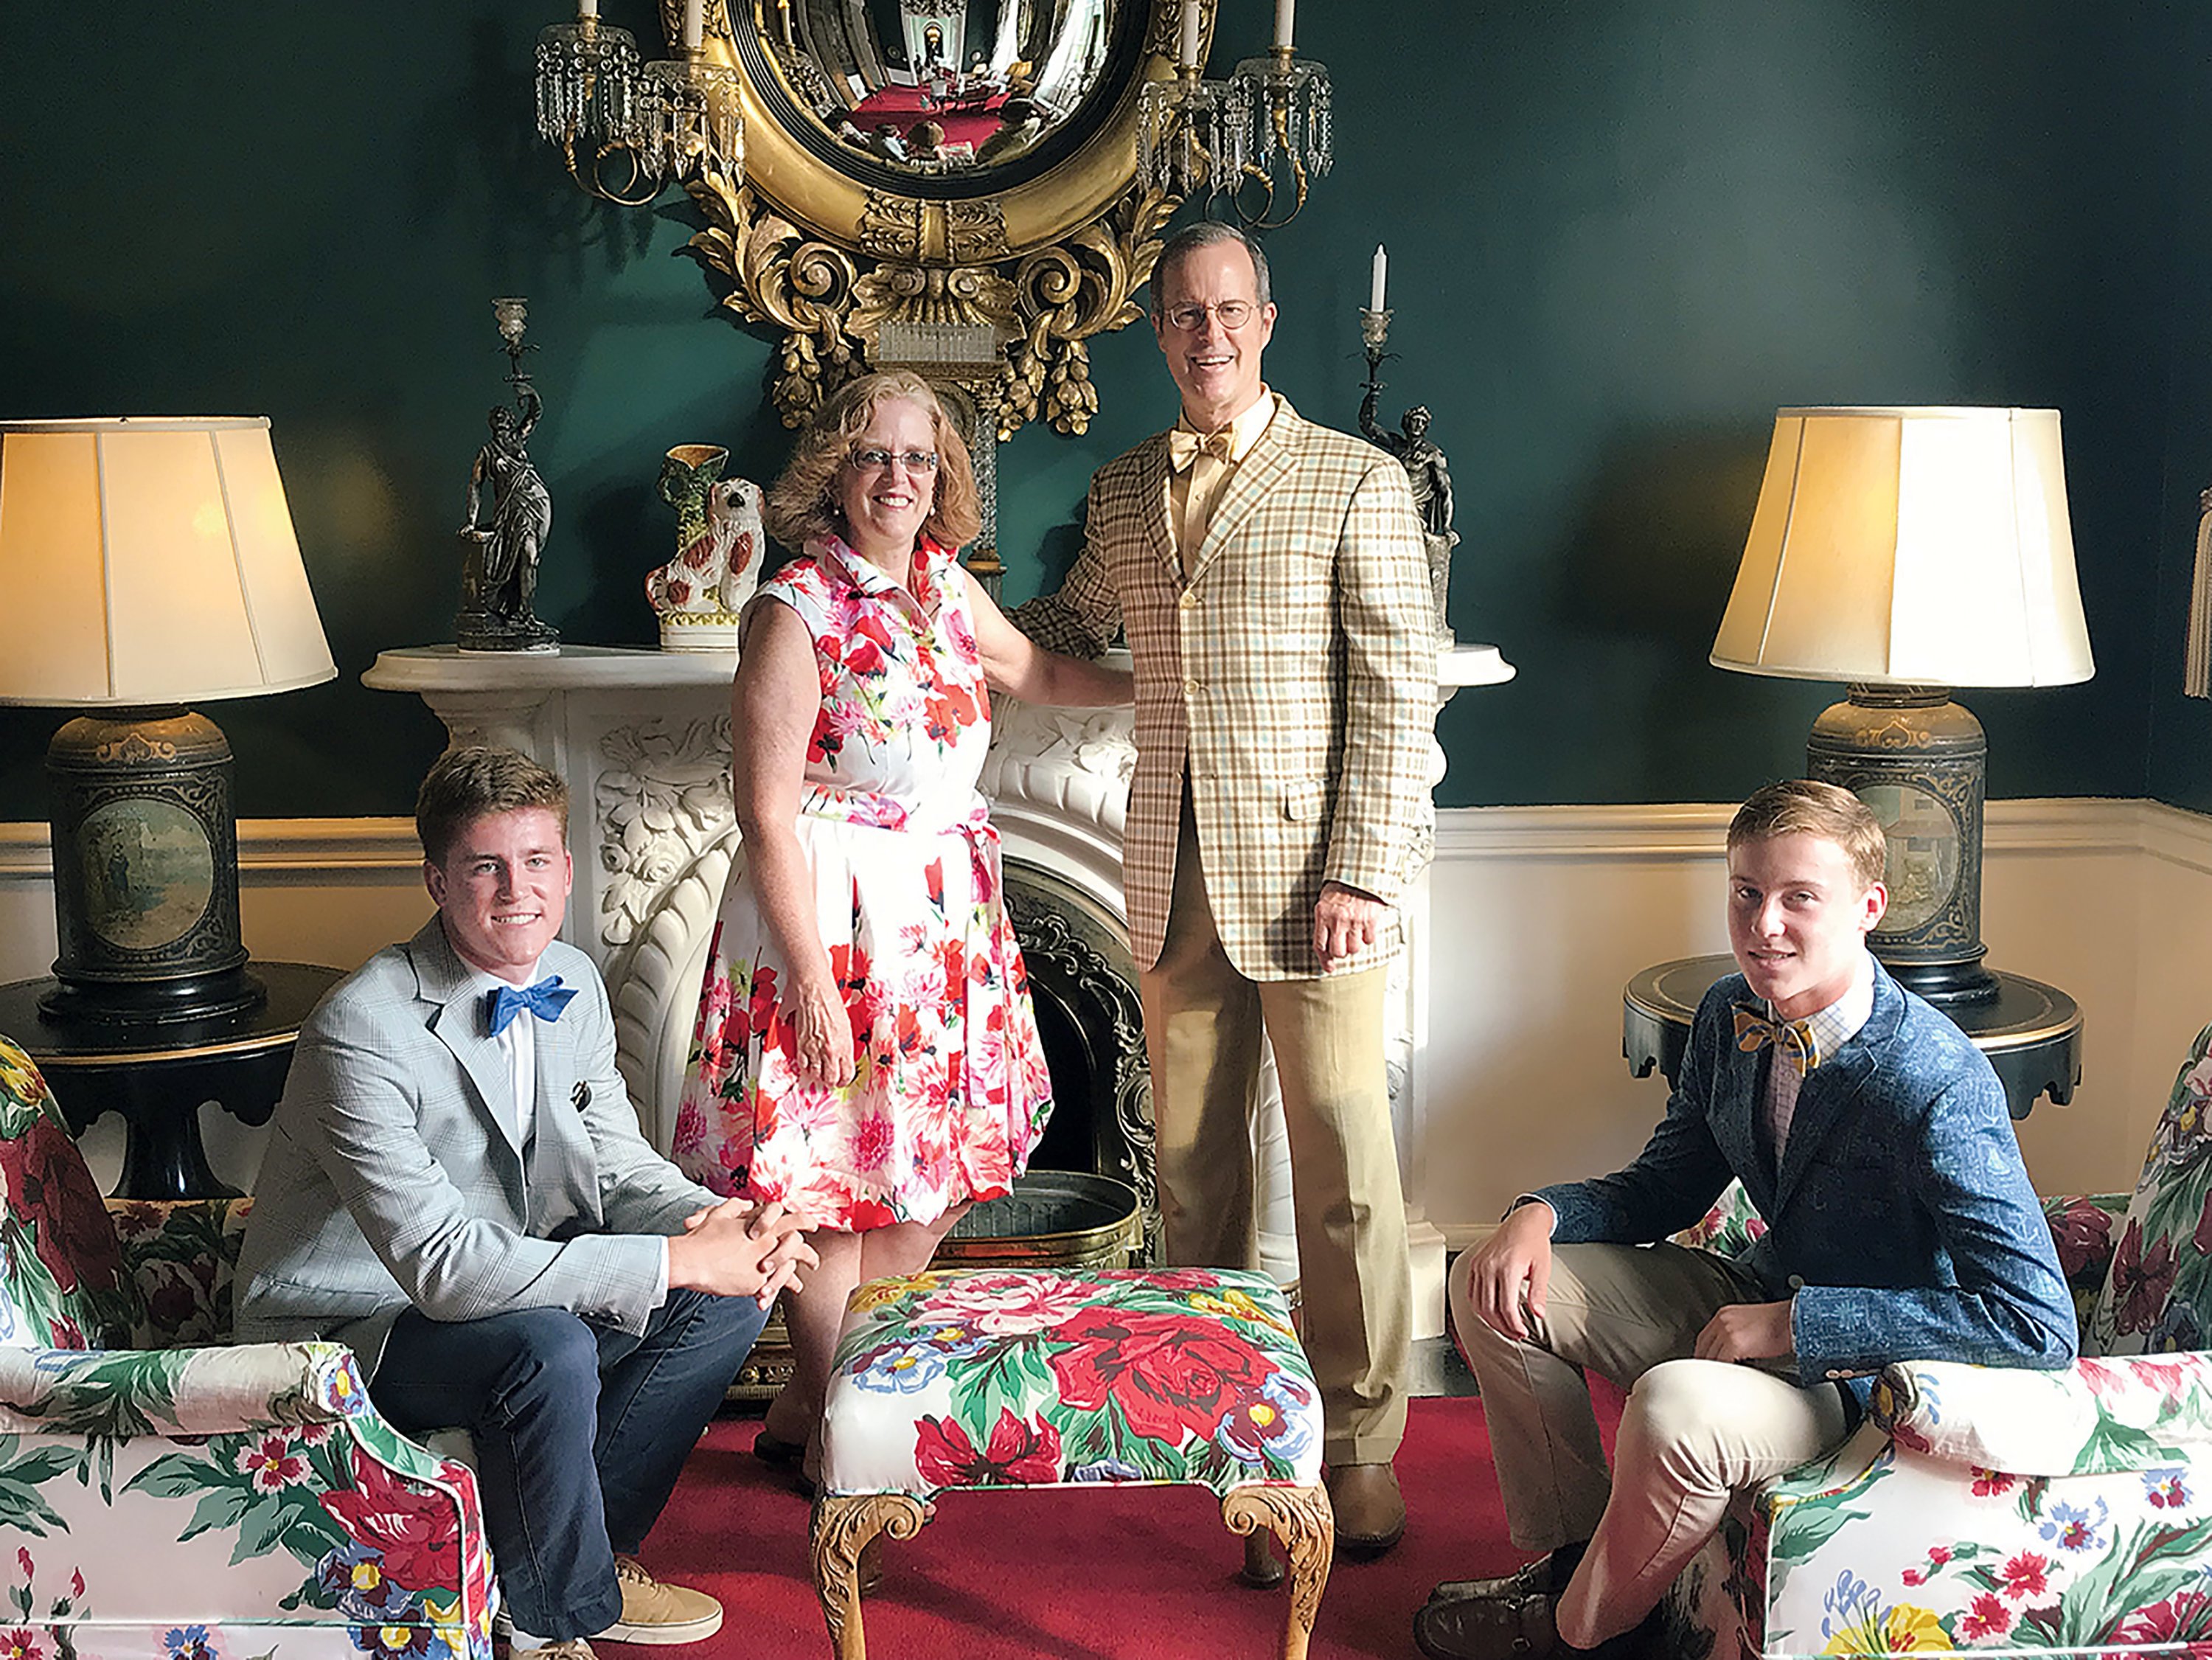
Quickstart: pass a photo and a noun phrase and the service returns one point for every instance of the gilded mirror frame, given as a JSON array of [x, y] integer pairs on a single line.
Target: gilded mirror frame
[[860, 267]]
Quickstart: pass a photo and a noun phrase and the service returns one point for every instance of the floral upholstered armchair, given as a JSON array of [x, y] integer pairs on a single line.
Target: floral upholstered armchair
[[2057, 1513], [160, 1502]]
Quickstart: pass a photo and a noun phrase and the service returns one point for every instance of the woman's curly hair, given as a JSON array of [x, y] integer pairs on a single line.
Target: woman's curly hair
[[802, 504]]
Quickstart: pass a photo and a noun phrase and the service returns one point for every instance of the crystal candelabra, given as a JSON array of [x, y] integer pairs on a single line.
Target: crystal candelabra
[[1259, 137], [587, 85], [1191, 134], [627, 129], [1283, 102]]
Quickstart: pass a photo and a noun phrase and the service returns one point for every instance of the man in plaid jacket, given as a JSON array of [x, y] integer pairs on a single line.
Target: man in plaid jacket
[[1270, 576]]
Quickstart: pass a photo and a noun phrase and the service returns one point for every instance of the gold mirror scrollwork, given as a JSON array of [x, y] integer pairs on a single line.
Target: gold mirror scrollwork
[[992, 278]]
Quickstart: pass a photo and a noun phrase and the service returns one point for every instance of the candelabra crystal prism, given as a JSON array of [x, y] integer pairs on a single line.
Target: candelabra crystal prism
[[627, 129], [587, 85], [691, 121], [1285, 101], [1191, 136]]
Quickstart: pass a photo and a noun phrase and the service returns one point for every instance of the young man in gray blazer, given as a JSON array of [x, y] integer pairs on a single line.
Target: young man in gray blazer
[[1270, 577], [455, 1185], [1874, 1138]]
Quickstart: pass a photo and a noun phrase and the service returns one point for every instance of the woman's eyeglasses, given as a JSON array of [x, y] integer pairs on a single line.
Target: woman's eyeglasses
[[880, 460]]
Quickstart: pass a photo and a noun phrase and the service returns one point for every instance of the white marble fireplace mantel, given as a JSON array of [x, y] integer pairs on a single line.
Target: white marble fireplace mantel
[[643, 740]]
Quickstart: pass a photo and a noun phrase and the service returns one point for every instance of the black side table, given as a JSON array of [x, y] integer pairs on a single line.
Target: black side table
[[2031, 1033], [156, 1076]]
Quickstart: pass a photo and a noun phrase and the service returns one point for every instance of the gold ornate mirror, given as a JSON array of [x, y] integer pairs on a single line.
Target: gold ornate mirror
[[899, 94], [944, 185]]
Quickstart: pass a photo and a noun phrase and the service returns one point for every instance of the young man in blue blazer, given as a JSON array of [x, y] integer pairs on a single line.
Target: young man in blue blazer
[[1874, 1138]]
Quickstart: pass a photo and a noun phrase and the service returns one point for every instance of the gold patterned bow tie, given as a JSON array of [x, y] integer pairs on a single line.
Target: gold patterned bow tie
[[1185, 446], [1793, 1040]]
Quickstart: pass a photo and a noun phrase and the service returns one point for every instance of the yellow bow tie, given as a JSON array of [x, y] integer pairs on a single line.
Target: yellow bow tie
[[1185, 446], [1793, 1040]]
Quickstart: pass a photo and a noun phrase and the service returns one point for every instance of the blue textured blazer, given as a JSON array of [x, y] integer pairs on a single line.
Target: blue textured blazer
[[1901, 1218]]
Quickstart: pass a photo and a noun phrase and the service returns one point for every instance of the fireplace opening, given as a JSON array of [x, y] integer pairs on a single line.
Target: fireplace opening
[[1083, 985]]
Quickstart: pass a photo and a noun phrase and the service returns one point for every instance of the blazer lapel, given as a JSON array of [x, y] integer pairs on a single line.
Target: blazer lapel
[[1833, 1088], [1734, 1121], [560, 1120], [1265, 468], [1826, 1096], [563, 1168], [442, 980], [1152, 482]]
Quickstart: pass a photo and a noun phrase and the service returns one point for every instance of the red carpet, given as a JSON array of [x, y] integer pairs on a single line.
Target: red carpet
[[1107, 1574], [902, 106]]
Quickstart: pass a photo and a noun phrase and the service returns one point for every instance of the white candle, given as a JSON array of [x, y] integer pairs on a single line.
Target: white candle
[[587, 9], [1374, 279], [1284, 9], [695, 23], [1186, 53]]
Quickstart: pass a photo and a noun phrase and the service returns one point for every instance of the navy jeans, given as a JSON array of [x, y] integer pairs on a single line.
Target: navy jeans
[[581, 1432]]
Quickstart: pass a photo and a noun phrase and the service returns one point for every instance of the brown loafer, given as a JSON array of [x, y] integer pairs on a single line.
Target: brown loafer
[[1488, 1628], [1544, 1577], [1519, 1629], [1371, 1511]]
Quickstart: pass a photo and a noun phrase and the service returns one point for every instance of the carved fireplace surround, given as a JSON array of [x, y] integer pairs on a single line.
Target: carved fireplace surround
[[643, 740]]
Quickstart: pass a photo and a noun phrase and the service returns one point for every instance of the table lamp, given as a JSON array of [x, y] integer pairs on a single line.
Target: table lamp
[[147, 563], [1907, 552]]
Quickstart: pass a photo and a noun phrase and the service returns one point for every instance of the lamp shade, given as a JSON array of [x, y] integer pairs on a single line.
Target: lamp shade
[[150, 561], [1909, 546]]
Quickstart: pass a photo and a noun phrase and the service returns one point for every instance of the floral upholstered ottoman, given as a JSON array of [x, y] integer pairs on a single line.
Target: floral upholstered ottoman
[[997, 1378]]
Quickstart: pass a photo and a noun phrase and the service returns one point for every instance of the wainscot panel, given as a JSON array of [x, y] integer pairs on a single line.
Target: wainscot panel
[[1542, 913]]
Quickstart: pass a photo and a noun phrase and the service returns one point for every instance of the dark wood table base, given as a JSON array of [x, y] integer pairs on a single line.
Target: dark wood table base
[[157, 1076]]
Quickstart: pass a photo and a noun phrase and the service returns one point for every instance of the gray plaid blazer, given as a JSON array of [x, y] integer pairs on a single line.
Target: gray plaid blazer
[[1294, 672], [393, 1176]]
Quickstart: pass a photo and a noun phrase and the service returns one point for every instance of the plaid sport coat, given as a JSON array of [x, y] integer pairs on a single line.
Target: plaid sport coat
[[1293, 671], [393, 1177]]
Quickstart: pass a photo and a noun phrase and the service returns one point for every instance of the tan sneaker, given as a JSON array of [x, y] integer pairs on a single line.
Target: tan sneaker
[[569, 1648], [653, 1612]]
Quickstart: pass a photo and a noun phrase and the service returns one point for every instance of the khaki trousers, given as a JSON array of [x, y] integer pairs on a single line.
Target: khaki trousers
[[1694, 1432], [1203, 1022]]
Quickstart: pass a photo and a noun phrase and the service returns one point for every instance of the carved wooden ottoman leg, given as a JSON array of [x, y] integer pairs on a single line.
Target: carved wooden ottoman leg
[[1301, 1518], [843, 1526]]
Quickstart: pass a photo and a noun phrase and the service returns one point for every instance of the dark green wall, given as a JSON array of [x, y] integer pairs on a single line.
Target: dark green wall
[[2181, 727], [1622, 232]]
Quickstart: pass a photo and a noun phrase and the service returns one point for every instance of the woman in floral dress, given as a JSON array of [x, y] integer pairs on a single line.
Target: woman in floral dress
[[865, 1053]]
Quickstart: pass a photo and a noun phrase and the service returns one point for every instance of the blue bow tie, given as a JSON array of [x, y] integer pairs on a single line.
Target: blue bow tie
[[545, 1000]]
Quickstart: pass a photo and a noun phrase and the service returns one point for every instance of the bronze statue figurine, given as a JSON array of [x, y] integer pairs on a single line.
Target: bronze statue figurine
[[499, 559], [1430, 474]]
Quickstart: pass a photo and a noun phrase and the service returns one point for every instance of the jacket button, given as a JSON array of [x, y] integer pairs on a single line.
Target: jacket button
[[1190, 687], [1189, 601], [1796, 1282]]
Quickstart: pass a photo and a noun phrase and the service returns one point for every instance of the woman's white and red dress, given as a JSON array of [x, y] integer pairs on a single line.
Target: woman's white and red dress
[[951, 1091]]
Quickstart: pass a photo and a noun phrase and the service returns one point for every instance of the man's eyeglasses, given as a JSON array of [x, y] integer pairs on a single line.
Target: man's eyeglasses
[[1190, 318], [880, 460]]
